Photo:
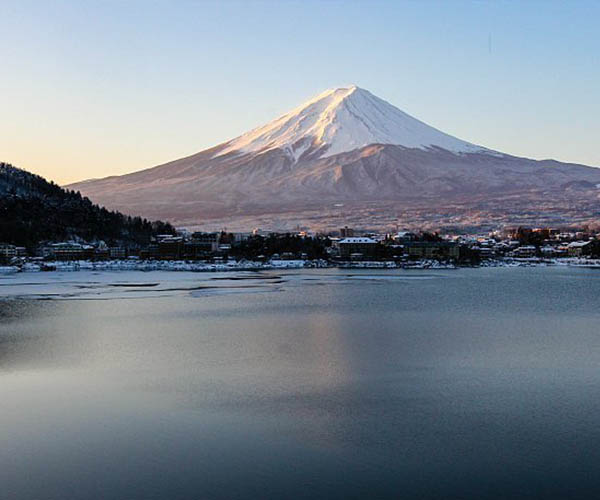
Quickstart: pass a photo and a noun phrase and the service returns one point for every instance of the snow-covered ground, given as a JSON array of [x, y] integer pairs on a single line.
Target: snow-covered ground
[[9, 269], [419, 264], [163, 265], [535, 261], [245, 265]]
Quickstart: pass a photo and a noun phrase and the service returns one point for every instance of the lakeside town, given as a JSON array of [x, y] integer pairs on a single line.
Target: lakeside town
[[347, 248]]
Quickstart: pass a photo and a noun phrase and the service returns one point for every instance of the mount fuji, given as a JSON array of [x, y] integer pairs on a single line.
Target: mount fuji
[[349, 157]]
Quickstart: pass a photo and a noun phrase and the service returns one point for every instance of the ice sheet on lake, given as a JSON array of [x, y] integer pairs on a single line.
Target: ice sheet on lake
[[106, 285]]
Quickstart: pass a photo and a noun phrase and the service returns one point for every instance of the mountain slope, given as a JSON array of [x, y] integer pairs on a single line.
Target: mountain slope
[[33, 210], [344, 147]]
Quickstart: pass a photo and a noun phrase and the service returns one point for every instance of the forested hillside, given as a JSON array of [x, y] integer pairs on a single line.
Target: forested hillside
[[34, 210]]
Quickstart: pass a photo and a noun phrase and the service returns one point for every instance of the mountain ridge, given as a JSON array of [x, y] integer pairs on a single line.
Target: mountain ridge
[[33, 210]]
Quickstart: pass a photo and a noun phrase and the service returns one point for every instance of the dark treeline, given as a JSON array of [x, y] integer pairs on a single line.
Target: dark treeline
[[33, 210], [255, 246]]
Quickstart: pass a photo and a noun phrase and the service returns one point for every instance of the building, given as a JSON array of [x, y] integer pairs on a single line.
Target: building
[[404, 236], [357, 247], [525, 251], [170, 247], [346, 232], [201, 245], [150, 252], [549, 251], [68, 251], [484, 251], [7, 251], [584, 248], [117, 252], [209, 242], [433, 250]]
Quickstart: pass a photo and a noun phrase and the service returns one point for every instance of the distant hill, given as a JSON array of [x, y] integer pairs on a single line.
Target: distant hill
[[34, 210]]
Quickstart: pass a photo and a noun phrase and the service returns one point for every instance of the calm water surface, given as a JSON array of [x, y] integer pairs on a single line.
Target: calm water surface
[[474, 383]]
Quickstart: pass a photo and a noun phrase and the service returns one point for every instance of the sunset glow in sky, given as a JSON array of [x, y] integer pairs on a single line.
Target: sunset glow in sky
[[98, 88]]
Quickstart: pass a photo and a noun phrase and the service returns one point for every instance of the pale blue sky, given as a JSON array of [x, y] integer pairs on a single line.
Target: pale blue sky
[[94, 88]]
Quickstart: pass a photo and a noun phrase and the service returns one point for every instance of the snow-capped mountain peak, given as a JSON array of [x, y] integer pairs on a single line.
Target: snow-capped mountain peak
[[341, 120]]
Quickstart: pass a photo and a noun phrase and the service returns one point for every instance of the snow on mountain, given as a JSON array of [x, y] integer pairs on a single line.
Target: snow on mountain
[[341, 120]]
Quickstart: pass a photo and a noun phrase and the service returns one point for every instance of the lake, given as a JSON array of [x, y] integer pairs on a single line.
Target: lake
[[320, 384]]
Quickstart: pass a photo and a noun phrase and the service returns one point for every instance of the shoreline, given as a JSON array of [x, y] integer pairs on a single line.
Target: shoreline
[[243, 265]]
